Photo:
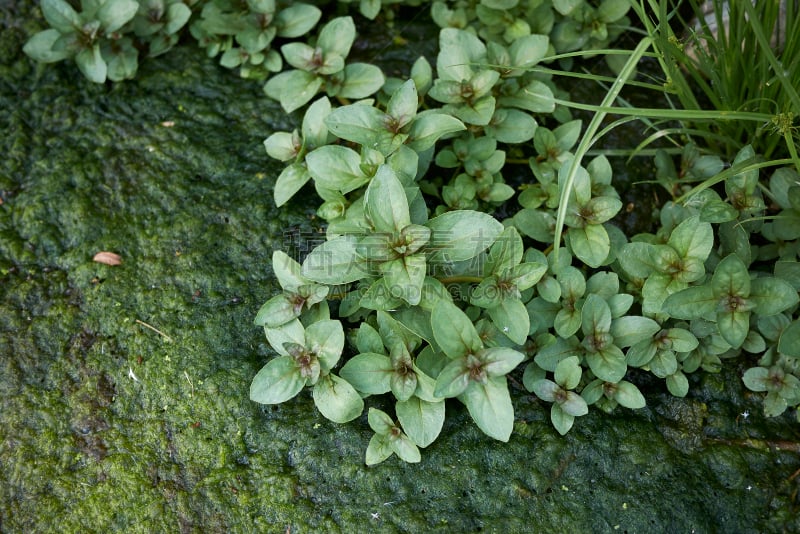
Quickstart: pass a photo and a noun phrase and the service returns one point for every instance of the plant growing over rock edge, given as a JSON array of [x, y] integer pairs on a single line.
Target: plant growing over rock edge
[[411, 255]]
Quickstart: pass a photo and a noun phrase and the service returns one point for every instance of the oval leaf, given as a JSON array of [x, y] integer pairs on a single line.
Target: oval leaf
[[277, 382], [337, 400]]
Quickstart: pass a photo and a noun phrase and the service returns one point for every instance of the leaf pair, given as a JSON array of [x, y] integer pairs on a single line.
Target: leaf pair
[[730, 298], [474, 374], [306, 357], [323, 68]]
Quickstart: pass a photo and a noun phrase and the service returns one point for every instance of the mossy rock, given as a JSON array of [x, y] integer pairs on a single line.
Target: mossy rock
[[125, 388]]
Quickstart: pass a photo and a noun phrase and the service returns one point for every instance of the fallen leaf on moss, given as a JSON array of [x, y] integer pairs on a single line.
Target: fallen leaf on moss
[[108, 258]]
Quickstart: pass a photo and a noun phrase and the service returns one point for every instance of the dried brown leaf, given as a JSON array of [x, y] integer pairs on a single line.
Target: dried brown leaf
[[108, 258]]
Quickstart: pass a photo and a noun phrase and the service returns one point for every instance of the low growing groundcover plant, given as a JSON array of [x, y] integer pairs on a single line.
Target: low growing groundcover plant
[[471, 228]]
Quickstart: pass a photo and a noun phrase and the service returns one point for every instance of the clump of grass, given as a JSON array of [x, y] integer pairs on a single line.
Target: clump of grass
[[743, 61]]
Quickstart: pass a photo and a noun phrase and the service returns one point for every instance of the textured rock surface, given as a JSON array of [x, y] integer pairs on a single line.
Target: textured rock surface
[[107, 424]]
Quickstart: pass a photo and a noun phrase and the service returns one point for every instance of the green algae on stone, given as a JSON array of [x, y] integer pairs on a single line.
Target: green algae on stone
[[110, 425]]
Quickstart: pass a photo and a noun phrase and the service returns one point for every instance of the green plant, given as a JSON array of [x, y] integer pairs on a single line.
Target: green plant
[[322, 68], [739, 68], [243, 32], [443, 283], [92, 37]]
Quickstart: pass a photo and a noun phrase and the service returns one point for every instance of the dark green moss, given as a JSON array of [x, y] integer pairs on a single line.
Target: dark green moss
[[108, 424]]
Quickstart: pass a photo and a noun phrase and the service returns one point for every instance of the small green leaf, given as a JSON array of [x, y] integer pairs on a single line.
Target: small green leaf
[[277, 382], [608, 364], [682, 340], [421, 420], [395, 333], [691, 303], [632, 329], [511, 126], [535, 97], [335, 262], [378, 449], [91, 64], [314, 129], [490, 406], [114, 14], [593, 391], [337, 168], [789, 342], [756, 378], [717, 211], [290, 181], [731, 278], [499, 361], [774, 404], [548, 357], [562, 421], [664, 363], [379, 421], [529, 50], [574, 404], [568, 373], [282, 146], [733, 326], [547, 390], [61, 16], [429, 126], [277, 311], [479, 112], [40, 47], [337, 36], [293, 89], [602, 209], [123, 62], [296, 20], [361, 80], [533, 373], [549, 289], [405, 449], [525, 275], [326, 340], [771, 296], [590, 244], [405, 276], [505, 253], [381, 296], [291, 332], [358, 123], [535, 223], [641, 352], [511, 318], [636, 259], [289, 273], [368, 372], [368, 340], [567, 322], [178, 15], [453, 330], [385, 203], [337, 400], [458, 50], [402, 106], [628, 395], [461, 235], [692, 238], [369, 8], [595, 316], [453, 380], [403, 385], [678, 384], [299, 56]]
